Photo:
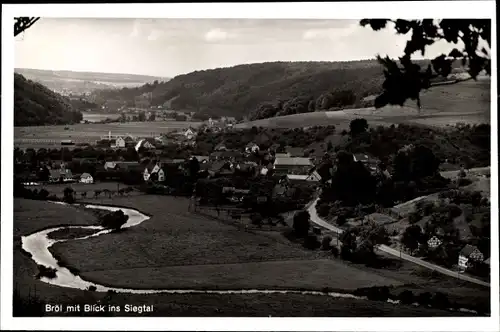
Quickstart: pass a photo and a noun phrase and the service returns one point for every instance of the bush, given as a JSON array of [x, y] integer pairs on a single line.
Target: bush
[[374, 293], [406, 297], [53, 198], [323, 209], [427, 208], [113, 220], [68, 195], [311, 242], [256, 219], [341, 219], [326, 242], [335, 251], [43, 194], [46, 272], [280, 220], [301, 223], [424, 299], [454, 211], [462, 182], [440, 301]]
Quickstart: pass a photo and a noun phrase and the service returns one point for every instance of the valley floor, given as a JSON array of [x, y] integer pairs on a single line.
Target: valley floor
[[178, 249]]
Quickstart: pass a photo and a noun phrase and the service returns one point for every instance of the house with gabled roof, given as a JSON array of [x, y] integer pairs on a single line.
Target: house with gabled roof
[[434, 242], [292, 166], [370, 162], [189, 133], [118, 143], [144, 143], [62, 174], [86, 178], [252, 148], [469, 254]]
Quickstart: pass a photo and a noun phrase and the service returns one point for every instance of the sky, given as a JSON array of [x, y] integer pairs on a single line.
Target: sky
[[169, 47]]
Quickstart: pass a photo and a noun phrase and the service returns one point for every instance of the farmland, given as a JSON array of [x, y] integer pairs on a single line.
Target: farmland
[[177, 249], [467, 102], [51, 136]]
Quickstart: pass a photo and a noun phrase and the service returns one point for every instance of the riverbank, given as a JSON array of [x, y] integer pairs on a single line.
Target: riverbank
[[266, 304]]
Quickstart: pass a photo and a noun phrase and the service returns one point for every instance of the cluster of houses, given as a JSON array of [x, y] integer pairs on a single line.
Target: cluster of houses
[[181, 137], [468, 255]]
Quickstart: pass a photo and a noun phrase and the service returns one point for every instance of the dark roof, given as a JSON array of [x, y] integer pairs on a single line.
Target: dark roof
[[56, 173], [467, 250], [295, 152], [297, 161], [217, 166]]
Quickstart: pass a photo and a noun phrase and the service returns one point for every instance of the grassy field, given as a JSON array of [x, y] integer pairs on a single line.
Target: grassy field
[[441, 106], [42, 136], [177, 249]]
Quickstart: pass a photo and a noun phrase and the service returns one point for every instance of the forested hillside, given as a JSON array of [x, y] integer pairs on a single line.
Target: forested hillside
[[240, 90], [36, 105]]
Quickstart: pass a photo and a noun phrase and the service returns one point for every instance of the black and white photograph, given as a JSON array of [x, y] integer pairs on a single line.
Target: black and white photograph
[[196, 163]]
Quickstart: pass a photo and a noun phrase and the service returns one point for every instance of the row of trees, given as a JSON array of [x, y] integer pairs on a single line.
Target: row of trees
[[306, 104]]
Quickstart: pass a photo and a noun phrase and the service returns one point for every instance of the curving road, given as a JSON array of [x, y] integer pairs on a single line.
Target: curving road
[[317, 220]]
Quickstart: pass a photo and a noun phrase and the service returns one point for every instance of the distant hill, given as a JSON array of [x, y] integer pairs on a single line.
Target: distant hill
[[36, 105], [240, 90], [84, 82]]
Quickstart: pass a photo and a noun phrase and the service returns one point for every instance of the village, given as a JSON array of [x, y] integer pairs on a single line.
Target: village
[[287, 179]]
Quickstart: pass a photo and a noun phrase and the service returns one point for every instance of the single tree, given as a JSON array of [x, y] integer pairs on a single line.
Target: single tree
[[405, 80], [301, 223], [68, 196], [412, 237], [358, 126]]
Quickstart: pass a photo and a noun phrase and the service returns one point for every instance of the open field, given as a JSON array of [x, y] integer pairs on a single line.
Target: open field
[[441, 106], [50, 136], [177, 249]]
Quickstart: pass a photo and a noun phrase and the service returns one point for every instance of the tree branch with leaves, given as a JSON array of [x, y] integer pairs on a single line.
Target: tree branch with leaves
[[407, 79], [23, 23]]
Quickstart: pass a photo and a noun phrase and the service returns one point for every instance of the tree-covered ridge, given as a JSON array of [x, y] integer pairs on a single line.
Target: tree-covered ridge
[[36, 105], [239, 90]]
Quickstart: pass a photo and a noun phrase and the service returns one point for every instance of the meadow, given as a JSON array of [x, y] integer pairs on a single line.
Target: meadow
[[177, 249], [51, 136], [444, 105]]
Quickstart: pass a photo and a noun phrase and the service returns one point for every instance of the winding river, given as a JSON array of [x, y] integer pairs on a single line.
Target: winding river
[[38, 244]]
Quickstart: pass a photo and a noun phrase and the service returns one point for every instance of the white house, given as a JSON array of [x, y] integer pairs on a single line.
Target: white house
[[109, 165], [252, 148], [146, 175], [86, 178], [314, 177], [467, 254], [149, 170], [434, 242], [145, 144], [189, 133], [119, 143], [161, 175]]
